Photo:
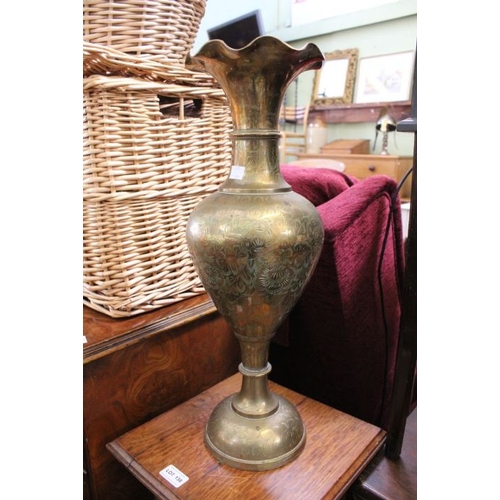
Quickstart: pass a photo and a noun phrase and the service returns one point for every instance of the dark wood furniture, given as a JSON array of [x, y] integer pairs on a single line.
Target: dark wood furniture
[[337, 449], [360, 113], [391, 479], [137, 368]]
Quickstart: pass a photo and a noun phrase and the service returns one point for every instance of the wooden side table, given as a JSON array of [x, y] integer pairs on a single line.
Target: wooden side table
[[139, 367], [337, 449]]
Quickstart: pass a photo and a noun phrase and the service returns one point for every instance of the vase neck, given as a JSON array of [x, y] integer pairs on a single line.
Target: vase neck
[[255, 163], [254, 80]]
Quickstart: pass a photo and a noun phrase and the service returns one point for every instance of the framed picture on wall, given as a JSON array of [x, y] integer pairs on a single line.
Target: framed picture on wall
[[386, 78], [334, 82]]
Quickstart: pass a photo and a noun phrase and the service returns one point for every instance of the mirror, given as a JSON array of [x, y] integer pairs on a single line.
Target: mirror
[[334, 82]]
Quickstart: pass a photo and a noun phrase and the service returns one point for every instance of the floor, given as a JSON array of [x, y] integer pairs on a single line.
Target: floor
[[386, 479]]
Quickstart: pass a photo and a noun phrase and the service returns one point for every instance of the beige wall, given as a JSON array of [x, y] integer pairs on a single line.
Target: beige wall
[[386, 30], [388, 37]]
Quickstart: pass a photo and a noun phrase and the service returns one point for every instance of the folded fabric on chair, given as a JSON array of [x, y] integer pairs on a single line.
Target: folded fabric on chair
[[339, 343]]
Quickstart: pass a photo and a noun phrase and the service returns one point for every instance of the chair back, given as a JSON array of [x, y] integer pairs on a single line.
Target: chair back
[[293, 140]]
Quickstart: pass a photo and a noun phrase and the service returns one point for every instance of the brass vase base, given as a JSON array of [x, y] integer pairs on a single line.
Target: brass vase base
[[255, 443]]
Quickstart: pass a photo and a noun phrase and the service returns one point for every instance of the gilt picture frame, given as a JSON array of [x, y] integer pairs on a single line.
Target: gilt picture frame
[[334, 82], [385, 78]]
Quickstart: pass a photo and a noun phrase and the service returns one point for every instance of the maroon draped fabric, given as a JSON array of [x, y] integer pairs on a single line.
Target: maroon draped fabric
[[339, 343]]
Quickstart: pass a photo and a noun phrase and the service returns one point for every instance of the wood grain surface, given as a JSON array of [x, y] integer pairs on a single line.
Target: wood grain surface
[[337, 449], [145, 366]]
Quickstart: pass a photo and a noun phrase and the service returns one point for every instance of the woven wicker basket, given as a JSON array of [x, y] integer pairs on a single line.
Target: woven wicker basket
[[144, 172], [100, 60], [162, 30]]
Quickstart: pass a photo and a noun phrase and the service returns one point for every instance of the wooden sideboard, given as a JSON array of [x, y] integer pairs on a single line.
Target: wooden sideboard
[[366, 165], [139, 367]]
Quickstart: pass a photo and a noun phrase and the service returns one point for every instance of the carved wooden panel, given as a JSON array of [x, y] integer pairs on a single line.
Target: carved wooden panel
[[139, 381]]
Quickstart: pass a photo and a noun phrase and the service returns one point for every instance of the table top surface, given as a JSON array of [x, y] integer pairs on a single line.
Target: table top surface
[[103, 334], [338, 448]]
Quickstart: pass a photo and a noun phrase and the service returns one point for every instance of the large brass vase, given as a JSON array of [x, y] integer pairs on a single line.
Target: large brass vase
[[255, 244]]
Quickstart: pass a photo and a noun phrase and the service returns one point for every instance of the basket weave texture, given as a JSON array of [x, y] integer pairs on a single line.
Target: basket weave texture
[[148, 160], [100, 60], [161, 30]]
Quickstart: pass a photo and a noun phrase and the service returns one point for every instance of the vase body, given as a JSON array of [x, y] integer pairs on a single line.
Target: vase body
[[255, 244]]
